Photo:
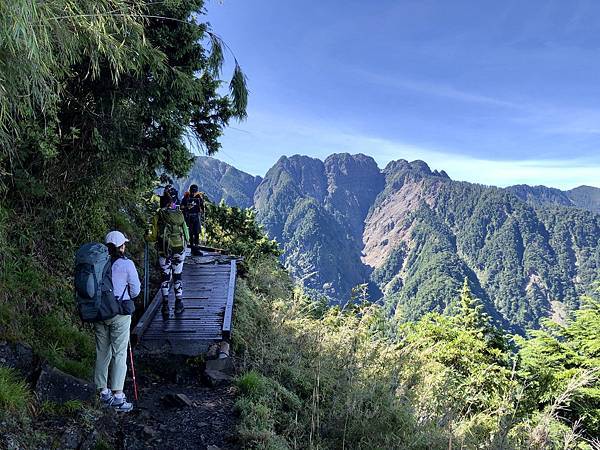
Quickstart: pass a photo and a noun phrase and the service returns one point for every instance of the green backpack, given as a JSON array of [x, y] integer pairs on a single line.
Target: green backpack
[[171, 223]]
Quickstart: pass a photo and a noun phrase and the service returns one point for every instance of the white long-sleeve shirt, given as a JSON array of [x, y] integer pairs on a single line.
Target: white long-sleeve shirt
[[124, 274]]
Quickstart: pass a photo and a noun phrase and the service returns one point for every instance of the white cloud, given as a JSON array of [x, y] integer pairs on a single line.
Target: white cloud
[[435, 89], [540, 117], [562, 174]]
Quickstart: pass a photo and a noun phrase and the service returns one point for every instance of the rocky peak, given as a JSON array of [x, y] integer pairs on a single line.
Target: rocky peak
[[417, 168], [353, 182], [307, 173]]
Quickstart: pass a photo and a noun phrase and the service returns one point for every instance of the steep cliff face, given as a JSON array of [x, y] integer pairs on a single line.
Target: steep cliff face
[[414, 234], [316, 210], [407, 187], [353, 183]]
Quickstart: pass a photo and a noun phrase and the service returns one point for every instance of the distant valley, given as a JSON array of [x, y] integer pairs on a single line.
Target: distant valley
[[413, 234]]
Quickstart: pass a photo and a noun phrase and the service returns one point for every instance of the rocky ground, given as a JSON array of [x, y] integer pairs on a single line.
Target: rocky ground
[[181, 405], [179, 408], [157, 423]]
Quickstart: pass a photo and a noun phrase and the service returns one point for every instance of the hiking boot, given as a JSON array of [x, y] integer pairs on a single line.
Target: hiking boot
[[120, 404], [179, 306], [165, 308], [106, 398]]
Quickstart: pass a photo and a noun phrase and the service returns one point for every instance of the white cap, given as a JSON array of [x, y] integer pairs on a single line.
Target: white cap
[[116, 237]]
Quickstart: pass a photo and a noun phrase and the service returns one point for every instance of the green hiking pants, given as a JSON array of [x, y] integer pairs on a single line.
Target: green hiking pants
[[112, 337]]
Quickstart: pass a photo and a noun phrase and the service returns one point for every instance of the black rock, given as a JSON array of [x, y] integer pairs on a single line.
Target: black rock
[[19, 357], [71, 438], [56, 386], [176, 400], [224, 365], [216, 378]]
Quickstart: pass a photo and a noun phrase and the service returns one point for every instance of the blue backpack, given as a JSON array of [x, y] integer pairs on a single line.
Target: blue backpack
[[93, 284]]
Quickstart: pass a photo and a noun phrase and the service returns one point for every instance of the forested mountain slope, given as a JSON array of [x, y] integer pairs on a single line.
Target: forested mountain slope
[[221, 181], [584, 197], [414, 234], [316, 210], [425, 233]]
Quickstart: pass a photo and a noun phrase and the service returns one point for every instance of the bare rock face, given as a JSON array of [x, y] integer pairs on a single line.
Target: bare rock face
[[19, 357], [387, 225], [56, 386], [353, 183]]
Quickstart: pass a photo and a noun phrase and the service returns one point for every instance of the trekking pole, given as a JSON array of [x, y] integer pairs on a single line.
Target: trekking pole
[[146, 275], [135, 390], [203, 225]]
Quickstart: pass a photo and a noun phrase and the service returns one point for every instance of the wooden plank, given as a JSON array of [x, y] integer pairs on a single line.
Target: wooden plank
[[180, 318], [212, 318], [208, 297], [196, 334], [191, 336], [156, 325], [147, 317], [229, 305]]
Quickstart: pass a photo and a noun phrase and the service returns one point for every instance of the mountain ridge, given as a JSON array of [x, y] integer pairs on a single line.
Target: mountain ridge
[[413, 235]]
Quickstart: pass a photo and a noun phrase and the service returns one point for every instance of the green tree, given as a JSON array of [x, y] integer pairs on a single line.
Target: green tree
[[472, 313], [473, 318], [117, 91], [558, 354]]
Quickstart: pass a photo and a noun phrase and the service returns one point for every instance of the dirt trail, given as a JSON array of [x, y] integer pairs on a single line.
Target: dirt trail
[[208, 423]]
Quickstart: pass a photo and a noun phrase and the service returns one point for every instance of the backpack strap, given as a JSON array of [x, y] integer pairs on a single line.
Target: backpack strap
[[124, 290]]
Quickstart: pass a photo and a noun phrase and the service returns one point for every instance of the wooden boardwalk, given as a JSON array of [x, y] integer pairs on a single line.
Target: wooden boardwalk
[[208, 292]]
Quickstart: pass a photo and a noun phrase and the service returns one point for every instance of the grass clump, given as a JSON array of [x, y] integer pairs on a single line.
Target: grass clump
[[252, 385], [332, 378], [14, 393]]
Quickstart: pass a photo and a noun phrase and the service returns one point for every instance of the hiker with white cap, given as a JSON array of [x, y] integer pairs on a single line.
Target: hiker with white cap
[[112, 334]]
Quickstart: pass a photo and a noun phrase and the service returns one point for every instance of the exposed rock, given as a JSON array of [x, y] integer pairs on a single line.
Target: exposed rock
[[224, 365], [71, 438], [176, 400], [149, 431], [20, 357], [91, 441], [216, 378], [56, 386], [213, 351]]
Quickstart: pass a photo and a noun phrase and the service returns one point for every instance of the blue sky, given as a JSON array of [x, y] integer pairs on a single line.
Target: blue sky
[[495, 92]]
